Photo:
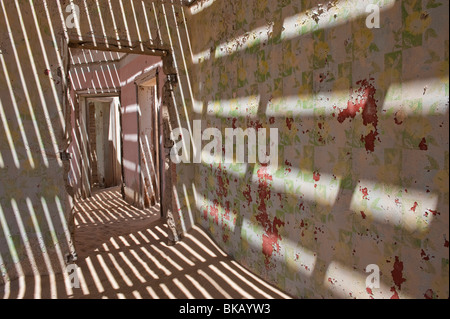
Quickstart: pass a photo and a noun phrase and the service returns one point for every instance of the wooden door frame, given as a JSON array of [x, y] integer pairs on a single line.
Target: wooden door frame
[[164, 53], [152, 74], [84, 96]]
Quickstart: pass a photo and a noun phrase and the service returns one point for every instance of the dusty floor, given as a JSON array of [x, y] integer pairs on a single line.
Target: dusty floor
[[122, 253]]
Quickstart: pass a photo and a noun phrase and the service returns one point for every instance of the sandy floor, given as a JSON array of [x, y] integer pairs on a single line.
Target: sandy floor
[[122, 253]]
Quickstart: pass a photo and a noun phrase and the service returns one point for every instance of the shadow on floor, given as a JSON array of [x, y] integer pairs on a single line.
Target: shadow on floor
[[122, 254]]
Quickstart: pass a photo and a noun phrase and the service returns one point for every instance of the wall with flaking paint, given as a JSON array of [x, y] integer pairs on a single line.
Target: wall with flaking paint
[[363, 142], [362, 115]]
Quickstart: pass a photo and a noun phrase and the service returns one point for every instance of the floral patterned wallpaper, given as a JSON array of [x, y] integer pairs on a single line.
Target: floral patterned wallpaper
[[363, 135], [363, 142]]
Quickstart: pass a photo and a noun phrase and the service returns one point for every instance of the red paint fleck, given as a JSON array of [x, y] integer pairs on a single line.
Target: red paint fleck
[[332, 281], [364, 216], [434, 212], [263, 175], [263, 189], [289, 165], [395, 296], [397, 273], [222, 190], [47, 72], [424, 255], [414, 208], [317, 176], [429, 294], [397, 201], [289, 122], [255, 124], [397, 120], [248, 195], [227, 211], [223, 183], [272, 120], [215, 212], [234, 123], [365, 192], [366, 104], [271, 237], [349, 113], [369, 141], [423, 145], [446, 243], [280, 196], [226, 238], [369, 291]]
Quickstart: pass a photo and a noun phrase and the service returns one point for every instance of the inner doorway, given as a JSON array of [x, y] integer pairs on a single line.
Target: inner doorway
[[103, 119], [117, 124]]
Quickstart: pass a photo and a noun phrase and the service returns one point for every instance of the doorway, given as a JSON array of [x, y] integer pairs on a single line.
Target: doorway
[[104, 137], [118, 124], [101, 143]]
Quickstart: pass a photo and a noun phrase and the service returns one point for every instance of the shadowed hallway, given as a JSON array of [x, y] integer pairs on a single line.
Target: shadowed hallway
[[123, 254]]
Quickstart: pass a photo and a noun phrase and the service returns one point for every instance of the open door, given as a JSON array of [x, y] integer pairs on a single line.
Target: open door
[[101, 143], [112, 145]]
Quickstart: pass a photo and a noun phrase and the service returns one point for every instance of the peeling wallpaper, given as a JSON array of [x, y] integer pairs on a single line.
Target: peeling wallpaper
[[363, 131], [363, 136]]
